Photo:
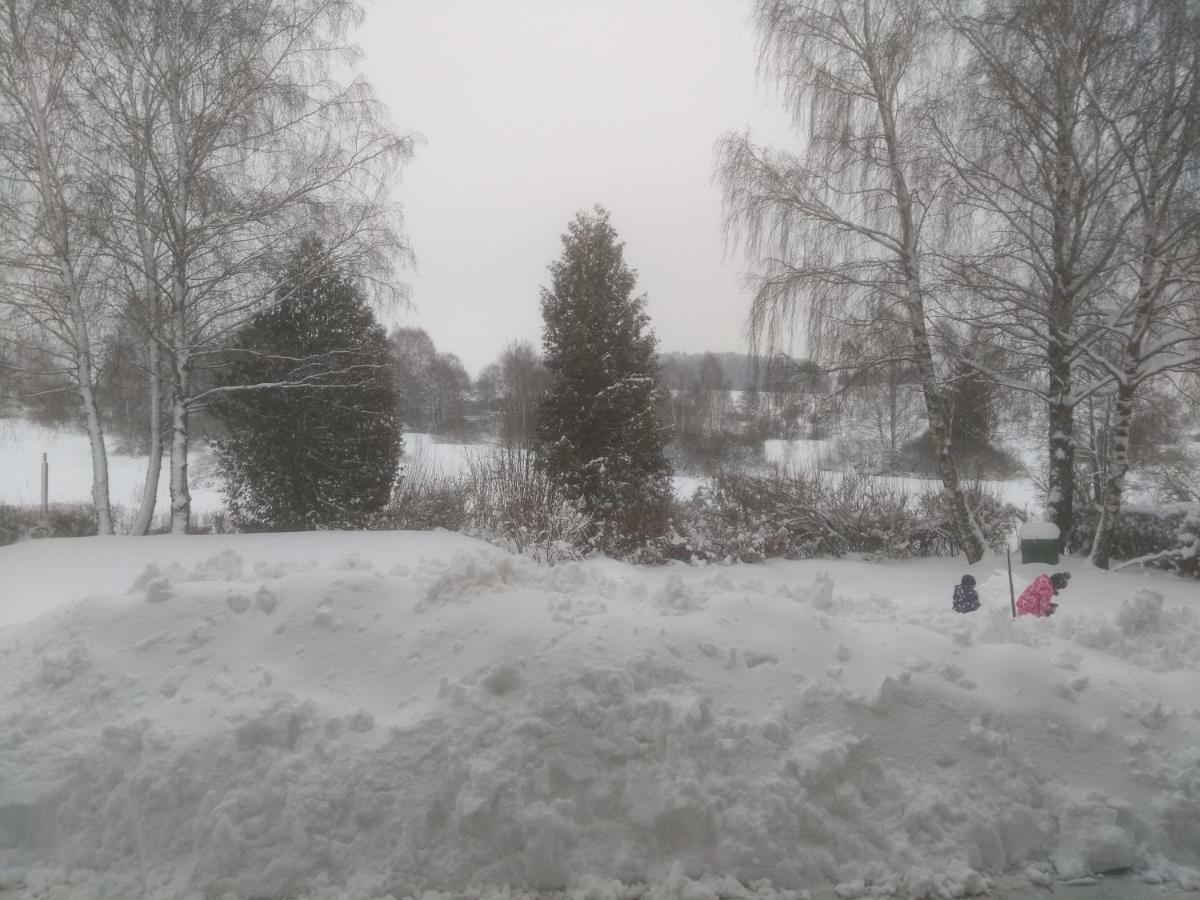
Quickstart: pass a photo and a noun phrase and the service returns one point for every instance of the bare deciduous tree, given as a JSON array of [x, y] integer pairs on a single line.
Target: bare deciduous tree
[[1034, 192], [524, 379], [1153, 311], [839, 229], [48, 251], [248, 142]]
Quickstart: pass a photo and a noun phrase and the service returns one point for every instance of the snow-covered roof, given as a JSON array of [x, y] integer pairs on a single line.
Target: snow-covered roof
[[1038, 531]]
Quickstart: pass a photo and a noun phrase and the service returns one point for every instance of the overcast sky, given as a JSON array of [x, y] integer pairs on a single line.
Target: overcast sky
[[530, 110]]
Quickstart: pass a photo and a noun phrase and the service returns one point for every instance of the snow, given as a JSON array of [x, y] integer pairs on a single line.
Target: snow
[[1038, 531], [22, 444], [433, 456], [357, 715]]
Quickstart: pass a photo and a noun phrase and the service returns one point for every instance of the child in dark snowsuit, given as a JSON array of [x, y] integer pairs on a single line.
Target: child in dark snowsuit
[[1035, 600], [965, 598]]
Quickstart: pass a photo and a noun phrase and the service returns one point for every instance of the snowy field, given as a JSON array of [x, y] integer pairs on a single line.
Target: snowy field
[[358, 715], [22, 445], [811, 456]]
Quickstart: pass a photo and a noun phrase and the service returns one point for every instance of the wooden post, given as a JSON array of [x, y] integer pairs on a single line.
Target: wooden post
[[45, 490], [1012, 594]]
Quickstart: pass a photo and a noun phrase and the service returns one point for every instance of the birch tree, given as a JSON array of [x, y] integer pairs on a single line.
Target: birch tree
[[244, 140], [1036, 179], [48, 252], [127, 116], [1153, 314], [839, 228]]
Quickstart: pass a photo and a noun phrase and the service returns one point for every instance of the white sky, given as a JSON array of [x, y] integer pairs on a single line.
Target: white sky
[[533, 109]]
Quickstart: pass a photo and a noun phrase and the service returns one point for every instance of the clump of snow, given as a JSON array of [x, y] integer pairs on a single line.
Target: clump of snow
[[1141, 613], [1038, 531], [676, 598], [1094, 837], [363, 716]]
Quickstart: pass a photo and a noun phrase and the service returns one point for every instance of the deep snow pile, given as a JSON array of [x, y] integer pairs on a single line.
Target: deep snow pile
[[357, 715]]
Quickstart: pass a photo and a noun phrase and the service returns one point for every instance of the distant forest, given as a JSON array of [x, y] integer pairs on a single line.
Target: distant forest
[[679, 370]]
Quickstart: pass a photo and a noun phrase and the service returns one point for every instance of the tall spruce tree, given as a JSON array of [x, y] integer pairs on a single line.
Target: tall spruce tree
[[310, 408], [599, 438]]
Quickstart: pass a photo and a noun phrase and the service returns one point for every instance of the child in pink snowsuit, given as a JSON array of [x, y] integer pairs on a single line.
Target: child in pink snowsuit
[[1036, 600]]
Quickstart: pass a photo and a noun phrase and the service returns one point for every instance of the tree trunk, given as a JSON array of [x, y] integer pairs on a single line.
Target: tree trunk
[[1118, 444], [1094, 455], [181, 386], [966, 530], [1060, 496], [87, 396], [55, 211], [141, 525], [104, 521], [1114, 486], [91, 412], [181, 498]]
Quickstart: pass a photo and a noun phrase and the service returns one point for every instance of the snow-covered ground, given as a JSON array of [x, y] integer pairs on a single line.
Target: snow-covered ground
[[812, 456], [68, 453], [356, 715]]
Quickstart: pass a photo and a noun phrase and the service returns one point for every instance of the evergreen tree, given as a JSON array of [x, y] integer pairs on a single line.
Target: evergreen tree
[[598, 435], [972, 411], [310, 406]]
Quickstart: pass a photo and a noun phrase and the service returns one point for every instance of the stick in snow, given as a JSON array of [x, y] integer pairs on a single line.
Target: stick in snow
[[1012, 594]]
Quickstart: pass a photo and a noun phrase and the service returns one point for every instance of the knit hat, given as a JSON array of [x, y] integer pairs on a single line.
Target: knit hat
[[1060, 579], [969, 580]]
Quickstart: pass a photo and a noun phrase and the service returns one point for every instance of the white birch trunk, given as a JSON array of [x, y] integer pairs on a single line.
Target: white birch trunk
[[181, 498], [55, 212], [145, 517], [1118, 444], [966, 530], [1114, 485], [104, 521]]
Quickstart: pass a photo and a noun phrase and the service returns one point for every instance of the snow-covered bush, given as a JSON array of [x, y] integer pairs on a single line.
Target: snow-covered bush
[[795, 516], [64, 520], [424, 498], [1141, 613], [514, 504], [425, 504], [1166, 537], [502, 497], [996, 518]]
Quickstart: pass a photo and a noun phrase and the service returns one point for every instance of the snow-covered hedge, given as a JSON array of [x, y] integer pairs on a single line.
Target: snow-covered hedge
[[1166, 537], [795, 516], [501, 497], [65, 520]]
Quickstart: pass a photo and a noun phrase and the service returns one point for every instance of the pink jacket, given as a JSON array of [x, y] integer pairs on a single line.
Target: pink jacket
[[1035, 600]]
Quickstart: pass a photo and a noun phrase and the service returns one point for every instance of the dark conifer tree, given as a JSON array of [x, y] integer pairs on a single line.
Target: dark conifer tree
[[309, 404], [599, 438], [972, 411]]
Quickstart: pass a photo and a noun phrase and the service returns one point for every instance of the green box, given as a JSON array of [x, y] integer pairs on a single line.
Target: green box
[[1039, 550]]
